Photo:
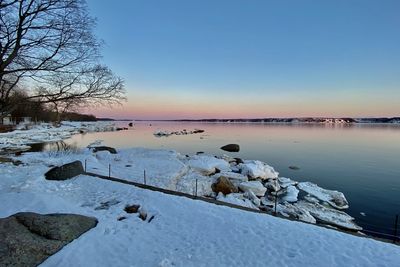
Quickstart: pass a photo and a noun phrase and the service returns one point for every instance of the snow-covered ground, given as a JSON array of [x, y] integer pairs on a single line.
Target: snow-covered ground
[[184, 232], [25, 135]]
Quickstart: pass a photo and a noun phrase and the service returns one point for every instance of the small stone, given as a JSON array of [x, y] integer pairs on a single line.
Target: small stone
[[295, 168], [132, 208], [142, 215]]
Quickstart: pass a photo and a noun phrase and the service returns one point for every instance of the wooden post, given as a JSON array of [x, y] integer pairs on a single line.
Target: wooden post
[[109, 170], [85, 164], [144, 176], [196, 188], [395, 228]]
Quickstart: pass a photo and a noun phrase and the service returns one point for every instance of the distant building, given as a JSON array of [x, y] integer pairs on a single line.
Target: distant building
[[7, 120]]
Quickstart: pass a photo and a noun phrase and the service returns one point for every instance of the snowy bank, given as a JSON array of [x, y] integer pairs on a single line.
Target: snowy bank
[[183, 232], [19, 140]]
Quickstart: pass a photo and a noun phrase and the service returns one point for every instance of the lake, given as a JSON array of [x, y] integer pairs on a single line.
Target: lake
[[360, 160]]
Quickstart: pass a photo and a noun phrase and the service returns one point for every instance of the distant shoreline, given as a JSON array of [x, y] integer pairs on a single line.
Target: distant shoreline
[[290, 120]]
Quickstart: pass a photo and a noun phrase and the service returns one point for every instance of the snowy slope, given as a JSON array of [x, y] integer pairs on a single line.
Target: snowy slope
[[183, 232]]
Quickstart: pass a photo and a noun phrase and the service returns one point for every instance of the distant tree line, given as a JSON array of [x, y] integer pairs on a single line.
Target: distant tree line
[[38, 111]]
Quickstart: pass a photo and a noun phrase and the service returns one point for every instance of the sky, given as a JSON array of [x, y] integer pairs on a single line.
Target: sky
[[192, 59]]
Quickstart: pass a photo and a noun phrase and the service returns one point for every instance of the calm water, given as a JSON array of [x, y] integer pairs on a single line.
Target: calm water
[[362, 161]]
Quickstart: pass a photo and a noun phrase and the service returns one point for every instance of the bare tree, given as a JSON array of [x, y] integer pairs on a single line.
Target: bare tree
[[47, 47]]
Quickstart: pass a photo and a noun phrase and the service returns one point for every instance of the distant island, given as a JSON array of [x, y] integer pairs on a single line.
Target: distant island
[[295, 120]]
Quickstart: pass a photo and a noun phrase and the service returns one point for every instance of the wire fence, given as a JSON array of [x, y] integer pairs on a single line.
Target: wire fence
[[387, 233]]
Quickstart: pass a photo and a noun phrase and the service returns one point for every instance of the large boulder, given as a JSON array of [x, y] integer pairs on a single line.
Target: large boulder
[[27, 239], [224, 185], [65, 172], [104, 148], [231, 148]]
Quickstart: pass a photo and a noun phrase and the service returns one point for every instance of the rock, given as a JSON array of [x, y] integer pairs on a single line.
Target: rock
[[232, 176], [294, 212], [142, 214], [273, 185], [238, 160], [255, 186], [132, 208], [104, 148], [27, 239], [291, 194], [8, 160], [257, 169], [295, 168], [224, 185], [335, 198], [285, 182], [231, 148], [329, 216], [130, 124], [65, 172], [198, 131]]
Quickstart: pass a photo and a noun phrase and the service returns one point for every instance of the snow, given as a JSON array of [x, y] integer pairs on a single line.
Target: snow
[[334, 198], [236, 199], [184, 232], [207, 164], [46, 132], [255, 186], [258, 169]]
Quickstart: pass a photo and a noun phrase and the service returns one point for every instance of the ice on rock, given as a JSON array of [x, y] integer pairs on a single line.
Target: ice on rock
[[233, 176], [207, 165], [255, 186], [250, 195], [295, 212], [329, 216], [335, 198], [285, 182], [236, 199], [273, 185], [291, 194], [257, 169]]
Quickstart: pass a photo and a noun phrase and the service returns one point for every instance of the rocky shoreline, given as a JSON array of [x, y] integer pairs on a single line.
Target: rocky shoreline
[[26, 135]]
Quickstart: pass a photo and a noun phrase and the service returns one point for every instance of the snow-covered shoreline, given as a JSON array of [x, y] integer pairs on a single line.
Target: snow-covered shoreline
[[25, 135], [183, 232]]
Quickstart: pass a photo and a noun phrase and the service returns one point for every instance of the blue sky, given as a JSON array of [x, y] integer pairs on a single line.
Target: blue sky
[[203, 59]]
